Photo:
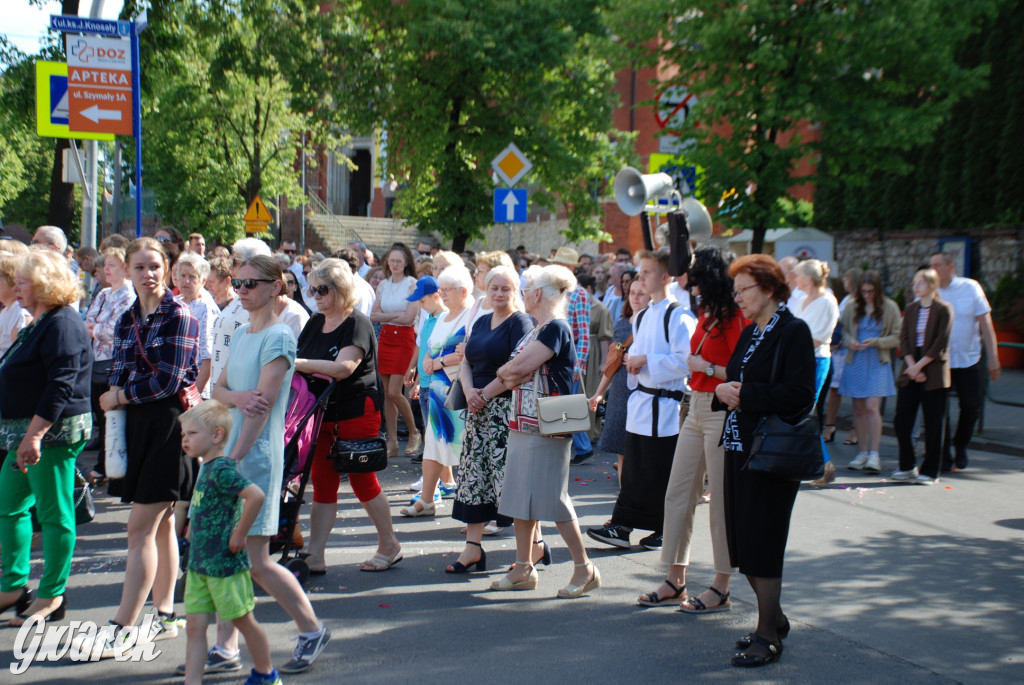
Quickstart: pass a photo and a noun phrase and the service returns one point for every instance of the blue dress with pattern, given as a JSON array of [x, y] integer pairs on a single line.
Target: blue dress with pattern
[[867, 375]]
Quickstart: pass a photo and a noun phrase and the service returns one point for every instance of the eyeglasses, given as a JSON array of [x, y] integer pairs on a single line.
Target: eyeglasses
[[739, 291], [318, 290], [287, 251], [163, 239], [249, 283]]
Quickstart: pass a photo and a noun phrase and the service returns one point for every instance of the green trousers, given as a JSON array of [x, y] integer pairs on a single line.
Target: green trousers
[[49, 486]]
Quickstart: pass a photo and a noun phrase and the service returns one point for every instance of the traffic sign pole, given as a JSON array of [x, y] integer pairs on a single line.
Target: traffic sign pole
[[137, 121]]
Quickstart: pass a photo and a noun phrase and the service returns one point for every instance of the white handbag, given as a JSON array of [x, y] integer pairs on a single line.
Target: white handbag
[[561, 414], [115, 445]]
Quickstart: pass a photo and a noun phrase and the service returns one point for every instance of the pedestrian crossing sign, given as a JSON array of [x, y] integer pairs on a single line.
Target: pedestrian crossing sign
[[52, 104]]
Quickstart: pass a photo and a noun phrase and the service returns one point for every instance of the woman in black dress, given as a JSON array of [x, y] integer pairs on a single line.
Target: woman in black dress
[[757, 506]]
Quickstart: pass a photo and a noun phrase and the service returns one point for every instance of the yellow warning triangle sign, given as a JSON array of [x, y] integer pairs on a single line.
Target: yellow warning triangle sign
[[258, 211]]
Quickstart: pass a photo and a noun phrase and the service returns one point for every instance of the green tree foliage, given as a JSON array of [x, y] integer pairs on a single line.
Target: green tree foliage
[[877, 79], [229, 86], [455, 81]]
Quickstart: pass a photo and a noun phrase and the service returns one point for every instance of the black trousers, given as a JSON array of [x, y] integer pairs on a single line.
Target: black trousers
[[933, 406], [645, 472], [968, 385]]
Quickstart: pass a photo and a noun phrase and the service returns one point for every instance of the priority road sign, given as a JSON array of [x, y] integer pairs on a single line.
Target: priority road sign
[[510, 206], [511, 164], [99, 84], [52, 104]]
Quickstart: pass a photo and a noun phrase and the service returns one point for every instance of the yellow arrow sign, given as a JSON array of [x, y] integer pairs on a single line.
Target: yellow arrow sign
[[258, 211]]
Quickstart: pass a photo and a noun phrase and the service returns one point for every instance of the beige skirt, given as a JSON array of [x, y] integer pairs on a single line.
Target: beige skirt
[[536, 485]]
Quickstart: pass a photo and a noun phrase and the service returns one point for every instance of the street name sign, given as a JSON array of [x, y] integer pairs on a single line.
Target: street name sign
[[511, 165], [510, 206], [52, 104], [102, 27], [99, 84]]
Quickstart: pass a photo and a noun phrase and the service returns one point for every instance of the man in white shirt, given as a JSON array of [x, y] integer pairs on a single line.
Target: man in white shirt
[[358, 248], [657, 370], [613, 293], [796, 296], [972, 324]]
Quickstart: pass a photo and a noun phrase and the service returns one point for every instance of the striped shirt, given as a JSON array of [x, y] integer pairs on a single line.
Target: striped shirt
[[170, 340]]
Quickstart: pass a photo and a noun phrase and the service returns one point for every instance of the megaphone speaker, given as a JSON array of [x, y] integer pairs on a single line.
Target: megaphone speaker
[[633, 190], [699, 220]]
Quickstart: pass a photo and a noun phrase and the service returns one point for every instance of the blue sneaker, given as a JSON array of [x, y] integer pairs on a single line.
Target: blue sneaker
[[447, 490], [257, 678], [419, 495]]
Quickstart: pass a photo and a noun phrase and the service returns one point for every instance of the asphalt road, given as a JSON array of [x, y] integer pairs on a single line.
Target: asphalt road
[[884, 583]]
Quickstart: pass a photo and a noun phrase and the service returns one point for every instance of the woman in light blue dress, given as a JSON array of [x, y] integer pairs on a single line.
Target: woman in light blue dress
[[255, 383], [871, 329]]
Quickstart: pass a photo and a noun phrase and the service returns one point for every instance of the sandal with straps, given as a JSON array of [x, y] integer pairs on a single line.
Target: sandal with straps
[[697, 606], [480, 564], [753, 660], [651, 598]]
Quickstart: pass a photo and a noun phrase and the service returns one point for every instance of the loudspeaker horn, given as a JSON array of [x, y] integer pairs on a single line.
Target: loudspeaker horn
[[698, 218], [633, 190]]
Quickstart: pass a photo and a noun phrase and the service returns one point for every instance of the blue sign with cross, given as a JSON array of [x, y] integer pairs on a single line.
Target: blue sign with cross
[[510, 206]]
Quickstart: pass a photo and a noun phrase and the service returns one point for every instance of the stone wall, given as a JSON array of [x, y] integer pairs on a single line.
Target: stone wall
[[539, 237], [897, 254]]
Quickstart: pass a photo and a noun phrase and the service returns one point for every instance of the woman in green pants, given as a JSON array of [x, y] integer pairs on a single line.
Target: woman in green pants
[[44, 405]]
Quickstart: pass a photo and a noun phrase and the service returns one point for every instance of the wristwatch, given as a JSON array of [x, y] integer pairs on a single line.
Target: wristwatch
[[710, 370]]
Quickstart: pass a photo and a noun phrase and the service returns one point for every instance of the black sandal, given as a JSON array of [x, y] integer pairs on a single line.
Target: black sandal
[[480, 564], [753, 660], [651, 598], [698, 607], [747, 640]]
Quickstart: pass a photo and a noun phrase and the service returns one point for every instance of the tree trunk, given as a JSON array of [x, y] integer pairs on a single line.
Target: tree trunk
[[757, 244], [459, 242]]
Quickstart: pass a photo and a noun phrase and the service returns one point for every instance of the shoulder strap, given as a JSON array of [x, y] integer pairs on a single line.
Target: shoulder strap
[[668, 315], [640, 317]]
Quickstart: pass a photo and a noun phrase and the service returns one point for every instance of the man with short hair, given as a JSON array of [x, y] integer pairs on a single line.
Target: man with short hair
[[623, 256], [585, 264], [358, 249], [425, 246], [796, 296], [657, 371], [51, 237], [197, 244], [972, 324]]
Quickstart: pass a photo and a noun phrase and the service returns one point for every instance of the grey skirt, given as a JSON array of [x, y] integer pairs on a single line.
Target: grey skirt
[[536, 483]]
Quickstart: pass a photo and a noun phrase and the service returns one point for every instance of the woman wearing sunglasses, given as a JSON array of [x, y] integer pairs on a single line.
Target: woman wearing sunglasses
[[338, 342], [255, 386]]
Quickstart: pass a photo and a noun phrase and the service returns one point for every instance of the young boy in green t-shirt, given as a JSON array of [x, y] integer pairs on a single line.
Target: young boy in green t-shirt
[[218, 566]]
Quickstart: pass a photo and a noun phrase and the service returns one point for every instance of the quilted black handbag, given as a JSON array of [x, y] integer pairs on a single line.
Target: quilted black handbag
[[359, 456], [788, 451]]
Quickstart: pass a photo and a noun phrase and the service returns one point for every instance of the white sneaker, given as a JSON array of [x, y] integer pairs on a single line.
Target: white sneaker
[[417, 486], [858, 462], [926, 480], [874, 463], [904, 475]]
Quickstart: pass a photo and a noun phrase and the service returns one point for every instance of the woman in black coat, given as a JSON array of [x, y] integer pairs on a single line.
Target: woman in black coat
[[758, 507]]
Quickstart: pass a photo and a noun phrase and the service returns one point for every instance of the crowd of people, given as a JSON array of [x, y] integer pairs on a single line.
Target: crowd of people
[[200, 351]]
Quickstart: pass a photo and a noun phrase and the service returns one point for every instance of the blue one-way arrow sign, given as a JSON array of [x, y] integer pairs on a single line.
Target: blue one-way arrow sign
[[509, 206]]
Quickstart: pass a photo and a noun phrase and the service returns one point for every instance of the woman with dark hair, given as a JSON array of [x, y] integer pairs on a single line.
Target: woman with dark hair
[[698, 449], [397, 342], [871, 328], [771, 371]]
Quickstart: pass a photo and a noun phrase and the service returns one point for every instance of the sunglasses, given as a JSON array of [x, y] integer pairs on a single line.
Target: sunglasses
[[163, 239], [289, 251], [248, 283], [320, 290]]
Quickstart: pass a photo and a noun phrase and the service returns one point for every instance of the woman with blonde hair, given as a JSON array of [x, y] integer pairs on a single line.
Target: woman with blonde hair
[[820, 312], [13, 318], [536, 484], [44, 402], [255, 387], [338, 342]]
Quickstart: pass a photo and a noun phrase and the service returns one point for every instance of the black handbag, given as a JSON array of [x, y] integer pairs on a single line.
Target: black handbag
[[359, 456], [784, 450], [456, 398], [85, 507]]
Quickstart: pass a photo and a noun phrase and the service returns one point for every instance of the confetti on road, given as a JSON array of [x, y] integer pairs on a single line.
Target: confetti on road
[[384, 606]]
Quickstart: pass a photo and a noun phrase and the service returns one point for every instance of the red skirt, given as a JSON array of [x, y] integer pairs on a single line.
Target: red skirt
[[394, 349]]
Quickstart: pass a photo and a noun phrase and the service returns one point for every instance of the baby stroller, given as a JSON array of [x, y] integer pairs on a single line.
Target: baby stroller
[[301, 426]]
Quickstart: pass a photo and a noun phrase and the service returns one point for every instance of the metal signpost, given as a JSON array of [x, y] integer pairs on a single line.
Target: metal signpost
[[510, 205]]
